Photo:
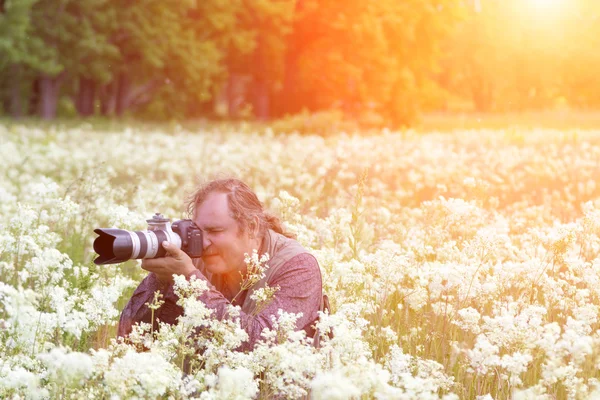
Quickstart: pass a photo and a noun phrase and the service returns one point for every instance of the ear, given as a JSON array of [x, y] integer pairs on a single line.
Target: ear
[[253, 227]]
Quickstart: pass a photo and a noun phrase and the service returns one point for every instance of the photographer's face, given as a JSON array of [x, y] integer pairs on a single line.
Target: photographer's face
[[224, 243]]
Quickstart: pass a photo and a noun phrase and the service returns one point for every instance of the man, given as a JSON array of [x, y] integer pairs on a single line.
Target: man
[[233, 223]]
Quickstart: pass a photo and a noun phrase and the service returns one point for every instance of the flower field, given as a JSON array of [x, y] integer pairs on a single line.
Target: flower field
[[460, 265]]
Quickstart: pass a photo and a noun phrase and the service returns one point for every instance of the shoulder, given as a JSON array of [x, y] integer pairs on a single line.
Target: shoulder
[[289, 257], [305, 260], [284, 247], [301, 267]]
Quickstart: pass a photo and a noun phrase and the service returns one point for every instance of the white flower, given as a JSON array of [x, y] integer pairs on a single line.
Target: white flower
[[255, 269], [67, 368], [483, 356], [235, 384], [536, 392], [142, 375], [416, 375], [468, 320], [515, 364], [335, 386], [469, 181], [22, 381], [99, 307], [502, 273]]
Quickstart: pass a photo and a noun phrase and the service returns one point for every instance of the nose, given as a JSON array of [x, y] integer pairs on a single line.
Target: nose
[[205, 241]]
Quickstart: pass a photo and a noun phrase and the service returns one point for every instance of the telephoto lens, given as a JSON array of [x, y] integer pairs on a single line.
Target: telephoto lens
[[118, 245]]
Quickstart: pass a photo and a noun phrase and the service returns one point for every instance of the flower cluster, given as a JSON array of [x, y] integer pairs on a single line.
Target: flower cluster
[[462, 265], [255, 269]]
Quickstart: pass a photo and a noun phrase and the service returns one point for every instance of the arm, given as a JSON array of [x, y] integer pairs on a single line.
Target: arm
[[160, 278], [136, 309], [300, 290]]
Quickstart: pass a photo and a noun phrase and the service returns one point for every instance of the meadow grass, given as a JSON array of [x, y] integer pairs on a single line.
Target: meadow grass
[[459, 263]]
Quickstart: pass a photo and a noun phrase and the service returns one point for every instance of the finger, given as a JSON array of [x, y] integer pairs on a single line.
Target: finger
[[153, 264], [148, 265], [173, 250]]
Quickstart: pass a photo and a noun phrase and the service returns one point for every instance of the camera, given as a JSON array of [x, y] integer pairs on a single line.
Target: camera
[[118, 245]]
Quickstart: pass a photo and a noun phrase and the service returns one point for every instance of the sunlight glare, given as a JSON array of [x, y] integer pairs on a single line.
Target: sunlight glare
[[546, 4]]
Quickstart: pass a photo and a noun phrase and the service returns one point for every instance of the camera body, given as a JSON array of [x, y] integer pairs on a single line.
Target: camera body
[[119, 245]]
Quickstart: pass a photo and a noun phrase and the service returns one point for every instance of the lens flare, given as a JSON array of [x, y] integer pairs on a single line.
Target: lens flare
[[546, 5]]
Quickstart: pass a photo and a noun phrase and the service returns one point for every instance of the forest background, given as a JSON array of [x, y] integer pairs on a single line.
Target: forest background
[[374, 63]]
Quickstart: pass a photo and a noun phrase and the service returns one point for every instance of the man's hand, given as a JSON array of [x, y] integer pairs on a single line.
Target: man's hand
[[175, 262]]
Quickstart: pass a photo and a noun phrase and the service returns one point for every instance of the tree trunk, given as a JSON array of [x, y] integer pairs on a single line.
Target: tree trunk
[[34, 97], [288, 100], [482, 94], [16, 100], [49, 89], [122, 91], [261, 100], [5, 105], [134, 97], [261, 93], [120, 95], [108, 100], [86, 97], [233, 95]]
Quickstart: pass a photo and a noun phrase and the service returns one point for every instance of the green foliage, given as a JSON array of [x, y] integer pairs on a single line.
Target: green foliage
[[328, 122], [180, 49], [18, 43], [381, 62], [323, 123], [171, 59], [377, 55]]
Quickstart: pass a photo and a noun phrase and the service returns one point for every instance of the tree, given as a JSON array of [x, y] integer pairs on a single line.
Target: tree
[[511, 55], [20, 51], [580, 60], [362, 55], [173, 55]]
